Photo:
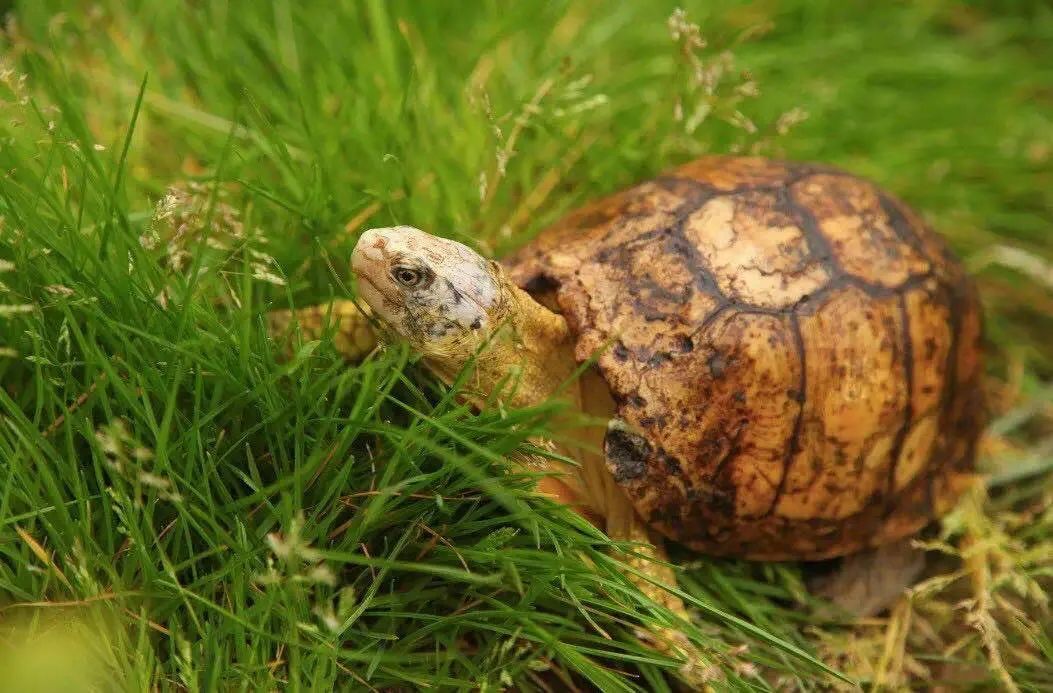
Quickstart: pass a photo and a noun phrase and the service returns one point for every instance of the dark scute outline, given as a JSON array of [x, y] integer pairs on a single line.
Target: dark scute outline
[[907, 354], [793, 446], [899, 224]]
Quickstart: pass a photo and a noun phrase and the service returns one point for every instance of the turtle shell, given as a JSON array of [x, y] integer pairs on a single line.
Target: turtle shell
[[795, 355]]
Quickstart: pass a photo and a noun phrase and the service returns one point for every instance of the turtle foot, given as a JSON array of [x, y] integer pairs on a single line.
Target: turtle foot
[[870, 582]]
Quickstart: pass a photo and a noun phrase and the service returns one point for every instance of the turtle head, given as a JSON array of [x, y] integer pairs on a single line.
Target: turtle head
[[439, 295]]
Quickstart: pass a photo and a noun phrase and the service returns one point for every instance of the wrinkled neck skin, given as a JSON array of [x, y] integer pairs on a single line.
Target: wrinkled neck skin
[[522, 363], [527, 360]]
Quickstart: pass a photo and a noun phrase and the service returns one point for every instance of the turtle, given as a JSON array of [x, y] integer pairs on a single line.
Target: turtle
[[788, 356]]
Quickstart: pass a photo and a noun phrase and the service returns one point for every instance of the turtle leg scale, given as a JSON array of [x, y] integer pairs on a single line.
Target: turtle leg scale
[[353, 333]]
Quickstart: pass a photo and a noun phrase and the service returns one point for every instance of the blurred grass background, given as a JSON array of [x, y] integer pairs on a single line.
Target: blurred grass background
[[198, 514]]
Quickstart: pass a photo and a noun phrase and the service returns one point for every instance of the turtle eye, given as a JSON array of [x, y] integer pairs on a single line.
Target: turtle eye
[[407, 276]]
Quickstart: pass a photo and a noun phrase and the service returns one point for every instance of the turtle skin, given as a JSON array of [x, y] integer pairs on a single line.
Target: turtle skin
[[795, 356]]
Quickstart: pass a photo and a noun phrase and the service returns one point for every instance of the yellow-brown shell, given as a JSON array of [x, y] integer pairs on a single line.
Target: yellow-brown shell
[[795, 354]]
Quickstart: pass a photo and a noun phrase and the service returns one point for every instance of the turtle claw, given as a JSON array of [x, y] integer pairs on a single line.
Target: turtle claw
[[697, 670]]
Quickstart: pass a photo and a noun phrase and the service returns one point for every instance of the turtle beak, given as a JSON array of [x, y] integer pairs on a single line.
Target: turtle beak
[[370, 252], [369, 261]]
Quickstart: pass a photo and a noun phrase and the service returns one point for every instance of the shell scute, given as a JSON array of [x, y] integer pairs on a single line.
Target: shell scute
[[857, 228], [756, 251], [853, 410]]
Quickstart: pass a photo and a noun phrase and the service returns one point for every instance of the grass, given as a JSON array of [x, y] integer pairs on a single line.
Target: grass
[[182, 509]]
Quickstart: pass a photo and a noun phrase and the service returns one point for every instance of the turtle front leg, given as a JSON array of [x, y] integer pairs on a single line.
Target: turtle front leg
[[353, 333], [649, 558], [649, 565]]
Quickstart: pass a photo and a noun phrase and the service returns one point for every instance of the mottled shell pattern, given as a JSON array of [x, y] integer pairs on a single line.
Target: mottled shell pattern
[[795, 355]]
